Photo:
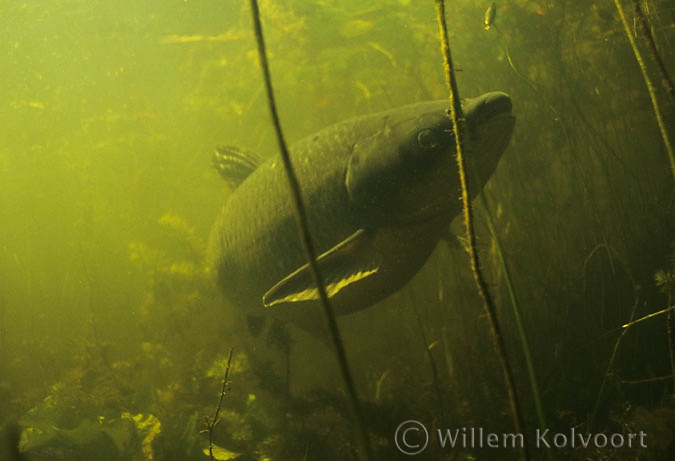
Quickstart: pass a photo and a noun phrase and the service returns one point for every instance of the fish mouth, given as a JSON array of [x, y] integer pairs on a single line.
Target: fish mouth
[[490, 105], [490, 121]]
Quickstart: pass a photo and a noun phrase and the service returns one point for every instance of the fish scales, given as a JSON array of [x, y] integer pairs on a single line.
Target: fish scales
[[379, 191]]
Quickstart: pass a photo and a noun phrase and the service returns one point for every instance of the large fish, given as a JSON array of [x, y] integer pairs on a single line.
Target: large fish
[[380, 192]]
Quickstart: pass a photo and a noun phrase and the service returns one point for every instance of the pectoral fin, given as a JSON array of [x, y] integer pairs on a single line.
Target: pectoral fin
[[350, 261]]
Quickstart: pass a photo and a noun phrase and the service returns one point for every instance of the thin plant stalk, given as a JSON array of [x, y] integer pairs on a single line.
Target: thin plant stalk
[[224, 390], [650, 87], [648, 37], [458, 125], [308, 244], [536, 396], [610, 366]]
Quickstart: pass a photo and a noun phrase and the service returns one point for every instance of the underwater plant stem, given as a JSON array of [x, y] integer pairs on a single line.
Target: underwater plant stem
[[458, 125], [666, 81], [650, 87], [591, 420], [536, 396], [671, 351], [530, 83], [308, 244], [648, 316], [224, 390], [432, 365]]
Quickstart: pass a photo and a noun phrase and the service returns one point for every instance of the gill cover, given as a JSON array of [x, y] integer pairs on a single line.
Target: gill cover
[[389, 172]]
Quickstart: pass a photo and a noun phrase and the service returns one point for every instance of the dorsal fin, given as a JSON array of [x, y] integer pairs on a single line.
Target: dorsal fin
[[234, 164]]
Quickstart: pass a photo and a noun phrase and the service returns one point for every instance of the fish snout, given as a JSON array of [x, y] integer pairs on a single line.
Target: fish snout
[[490, 122], [489, 106]]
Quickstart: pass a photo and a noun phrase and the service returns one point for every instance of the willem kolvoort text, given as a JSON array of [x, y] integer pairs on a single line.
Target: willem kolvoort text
[[475, 437]]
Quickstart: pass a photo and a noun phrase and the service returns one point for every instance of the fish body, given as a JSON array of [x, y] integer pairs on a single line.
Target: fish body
[[380, 191]]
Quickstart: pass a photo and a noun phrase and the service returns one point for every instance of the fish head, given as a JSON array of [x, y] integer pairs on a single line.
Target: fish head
[[489, 126], [406, 171], [389, 172]]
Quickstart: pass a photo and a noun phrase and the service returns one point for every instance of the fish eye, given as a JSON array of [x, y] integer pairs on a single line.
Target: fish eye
[[427, 139]]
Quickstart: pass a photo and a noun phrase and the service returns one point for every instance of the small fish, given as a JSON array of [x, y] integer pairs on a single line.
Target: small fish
[[490, 15]]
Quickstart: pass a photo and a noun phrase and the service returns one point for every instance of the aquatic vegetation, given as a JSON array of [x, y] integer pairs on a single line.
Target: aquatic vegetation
[[183, 232], [148, 427], [74, 415], [665, 281], [178, 282], [107, 198], [665, 278]]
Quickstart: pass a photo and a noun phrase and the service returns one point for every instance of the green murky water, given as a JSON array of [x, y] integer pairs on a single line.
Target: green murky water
[[113, 336]]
